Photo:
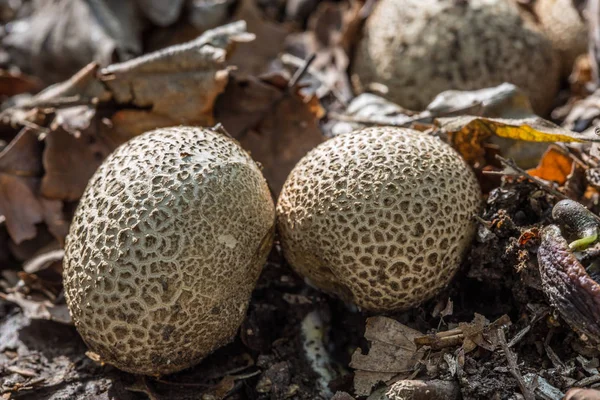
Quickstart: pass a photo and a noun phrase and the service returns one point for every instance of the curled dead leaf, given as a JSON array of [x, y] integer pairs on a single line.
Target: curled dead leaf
[[20, 168], [392, 353], [554, 166], [38, 307], [253, 58], [467, 133], [277, 126]]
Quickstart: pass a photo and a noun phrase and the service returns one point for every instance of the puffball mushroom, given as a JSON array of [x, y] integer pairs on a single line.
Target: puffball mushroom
[[566, 28], [419, 48], [165, 248], [381, 217]]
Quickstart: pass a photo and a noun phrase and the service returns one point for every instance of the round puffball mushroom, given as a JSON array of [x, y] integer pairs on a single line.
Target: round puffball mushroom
[[381, 217], [566, 28], [420, 48], [165, 248]]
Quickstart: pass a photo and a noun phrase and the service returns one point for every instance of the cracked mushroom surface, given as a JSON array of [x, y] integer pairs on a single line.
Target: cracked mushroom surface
[[419, 48], [381, 217], [165, 249]]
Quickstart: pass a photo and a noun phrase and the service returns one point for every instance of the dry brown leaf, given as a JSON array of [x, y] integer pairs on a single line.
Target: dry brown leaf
[[20, 167], [13, 83], [70, 161], [253, 58], [467, 133], [179, 83], [278, 127], [38, 307], [62, 36], [554, 166], [392, 352]]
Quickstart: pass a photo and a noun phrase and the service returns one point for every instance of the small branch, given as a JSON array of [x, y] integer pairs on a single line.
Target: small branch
[[301, 71], [521, 172], [511, 359], [299, 63], [219, 128]]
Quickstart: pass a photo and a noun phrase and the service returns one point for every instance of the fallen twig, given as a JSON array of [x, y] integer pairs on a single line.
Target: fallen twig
[[511, 359]]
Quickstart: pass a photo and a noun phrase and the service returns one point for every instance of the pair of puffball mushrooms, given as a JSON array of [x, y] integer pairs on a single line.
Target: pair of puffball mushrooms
[[173, 229], [172, 232]]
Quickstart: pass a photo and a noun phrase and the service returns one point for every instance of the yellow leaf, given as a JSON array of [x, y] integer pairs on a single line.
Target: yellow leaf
[[467, 133]]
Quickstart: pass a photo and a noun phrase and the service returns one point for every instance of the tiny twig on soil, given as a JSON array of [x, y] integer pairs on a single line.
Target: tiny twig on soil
[[299, 63], [219, 128], [301, 71], [556, 361], [521, 172], [590, 380], [511, 359]]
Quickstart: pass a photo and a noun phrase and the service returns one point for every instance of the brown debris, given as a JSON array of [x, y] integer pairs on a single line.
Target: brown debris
[[554, 166], [277, 126], [424, 390], [253, 58], [392, 353]]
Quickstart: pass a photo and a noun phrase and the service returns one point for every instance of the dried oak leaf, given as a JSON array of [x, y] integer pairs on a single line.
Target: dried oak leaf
[[179, 84], [392, 352], [554, 166], [20, 168], [253, 58], [62, 36], [70, 159], [13, 83], [277, 126], [467, 133], [502, 101], [38, 307]]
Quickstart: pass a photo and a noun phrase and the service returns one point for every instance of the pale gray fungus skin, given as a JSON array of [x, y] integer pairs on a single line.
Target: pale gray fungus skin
[[381, 217], [420, 48], [165, 249]]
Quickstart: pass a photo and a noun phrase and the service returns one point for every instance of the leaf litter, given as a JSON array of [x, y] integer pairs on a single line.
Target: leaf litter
[[274, 74]]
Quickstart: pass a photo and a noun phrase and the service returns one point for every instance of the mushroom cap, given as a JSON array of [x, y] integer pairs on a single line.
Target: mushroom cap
[[566, 28], [381, 217], [165, 249], [420, 48]]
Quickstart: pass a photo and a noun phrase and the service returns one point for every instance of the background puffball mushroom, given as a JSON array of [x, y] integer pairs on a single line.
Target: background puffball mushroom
[[165, 248], [419, 48], [381, 217]]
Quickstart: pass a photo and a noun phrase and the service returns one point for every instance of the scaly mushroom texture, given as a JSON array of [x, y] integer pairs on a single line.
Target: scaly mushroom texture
[[165, 248], [381, 217]]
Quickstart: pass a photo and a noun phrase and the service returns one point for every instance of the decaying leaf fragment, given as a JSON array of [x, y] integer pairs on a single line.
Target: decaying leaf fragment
[[470, 335], [20, 203], [178, 84], [273, 122], [392, 353], [467, 133], [65, 35], [36, 307], [253, 58], [568, 286], [554, 166]]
